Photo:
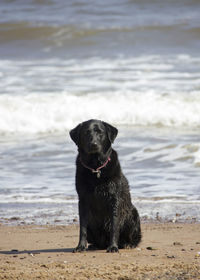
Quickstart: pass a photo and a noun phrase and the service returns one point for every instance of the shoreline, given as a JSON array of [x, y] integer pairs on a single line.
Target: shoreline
[[154, 210], [167, 251]]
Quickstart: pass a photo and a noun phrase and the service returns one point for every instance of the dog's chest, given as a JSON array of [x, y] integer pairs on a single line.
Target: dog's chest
[[99, 205], [101, 198], [104, 191]]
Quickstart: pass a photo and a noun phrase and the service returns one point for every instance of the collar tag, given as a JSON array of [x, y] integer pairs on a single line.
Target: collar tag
[[98, 172]]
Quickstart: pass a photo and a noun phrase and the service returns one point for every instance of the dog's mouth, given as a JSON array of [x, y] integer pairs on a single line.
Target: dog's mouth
[[93, 151], [93, 148]]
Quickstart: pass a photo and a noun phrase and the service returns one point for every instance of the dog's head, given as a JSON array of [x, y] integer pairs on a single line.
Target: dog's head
[[94, 136]]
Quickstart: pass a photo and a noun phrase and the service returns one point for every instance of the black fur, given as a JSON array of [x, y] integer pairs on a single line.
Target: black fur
[[107, 217]]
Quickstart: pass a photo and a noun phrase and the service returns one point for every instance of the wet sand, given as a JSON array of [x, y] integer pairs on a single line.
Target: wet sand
[[167, 251]]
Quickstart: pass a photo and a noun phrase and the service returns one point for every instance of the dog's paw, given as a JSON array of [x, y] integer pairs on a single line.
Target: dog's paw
[[79, 249], [112, 249]]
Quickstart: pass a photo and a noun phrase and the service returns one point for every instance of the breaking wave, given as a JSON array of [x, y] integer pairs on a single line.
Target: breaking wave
[[57, 112], [53, 95]]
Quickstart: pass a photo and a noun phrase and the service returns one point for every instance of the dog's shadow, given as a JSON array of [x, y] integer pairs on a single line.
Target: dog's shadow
[[35, 252]]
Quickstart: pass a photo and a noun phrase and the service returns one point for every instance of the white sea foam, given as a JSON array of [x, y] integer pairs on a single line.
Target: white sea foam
[[57, 112], [27, 199], [54, 95]]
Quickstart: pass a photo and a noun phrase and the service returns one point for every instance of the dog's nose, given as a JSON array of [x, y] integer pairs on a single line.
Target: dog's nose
[[94, 145]]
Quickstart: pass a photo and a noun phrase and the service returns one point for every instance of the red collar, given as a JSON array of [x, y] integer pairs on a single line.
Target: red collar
[[98, 170]]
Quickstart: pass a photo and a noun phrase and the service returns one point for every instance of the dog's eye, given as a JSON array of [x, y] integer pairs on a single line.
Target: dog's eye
[[98, 131]]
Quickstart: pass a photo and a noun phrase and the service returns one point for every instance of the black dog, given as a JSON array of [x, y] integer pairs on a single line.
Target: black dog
[[107, 217]]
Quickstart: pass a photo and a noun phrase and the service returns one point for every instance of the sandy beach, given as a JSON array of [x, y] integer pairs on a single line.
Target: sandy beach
[[167, 251], [132, 64]]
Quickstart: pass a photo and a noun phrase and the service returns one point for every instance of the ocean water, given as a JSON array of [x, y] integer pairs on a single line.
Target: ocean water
[[134, 64]]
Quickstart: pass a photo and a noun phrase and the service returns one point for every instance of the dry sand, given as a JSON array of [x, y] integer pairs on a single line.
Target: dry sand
[[167, 251]]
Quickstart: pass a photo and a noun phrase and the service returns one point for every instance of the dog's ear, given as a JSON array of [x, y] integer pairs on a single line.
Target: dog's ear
[[111, 131], [75, 134]]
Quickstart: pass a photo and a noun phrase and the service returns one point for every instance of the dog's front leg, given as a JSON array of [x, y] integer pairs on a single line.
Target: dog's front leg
[[83, 216], [114, 233]]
